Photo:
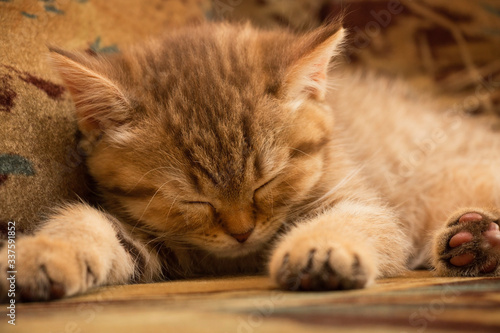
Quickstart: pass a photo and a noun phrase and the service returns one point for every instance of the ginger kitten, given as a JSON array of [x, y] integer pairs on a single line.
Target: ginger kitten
[[218, 149]]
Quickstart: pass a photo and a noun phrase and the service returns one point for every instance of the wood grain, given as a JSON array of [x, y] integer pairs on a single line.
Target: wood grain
[[415, 302]]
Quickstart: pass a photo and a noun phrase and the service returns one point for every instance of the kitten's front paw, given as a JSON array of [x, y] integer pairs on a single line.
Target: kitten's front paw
[[310, 266], [469, 245], [50, 269]]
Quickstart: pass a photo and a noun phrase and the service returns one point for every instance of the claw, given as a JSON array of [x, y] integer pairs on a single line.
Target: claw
[[309, 260]]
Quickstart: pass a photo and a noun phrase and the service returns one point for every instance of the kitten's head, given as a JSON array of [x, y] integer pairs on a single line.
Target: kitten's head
[[213, 136]]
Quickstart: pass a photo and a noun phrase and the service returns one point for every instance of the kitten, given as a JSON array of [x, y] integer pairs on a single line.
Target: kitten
[[218, 150]]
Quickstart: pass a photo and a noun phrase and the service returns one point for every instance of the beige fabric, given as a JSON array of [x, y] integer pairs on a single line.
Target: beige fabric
[[446, 46]]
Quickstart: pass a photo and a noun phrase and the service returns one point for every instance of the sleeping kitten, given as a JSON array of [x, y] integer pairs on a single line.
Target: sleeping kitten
[[218, 150]]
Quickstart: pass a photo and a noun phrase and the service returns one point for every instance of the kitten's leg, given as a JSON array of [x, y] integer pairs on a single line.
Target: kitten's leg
[[469, 244], [76, 249], [346, 247]]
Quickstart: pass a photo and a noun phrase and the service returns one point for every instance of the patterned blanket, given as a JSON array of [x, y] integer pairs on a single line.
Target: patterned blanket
[[40, 164]]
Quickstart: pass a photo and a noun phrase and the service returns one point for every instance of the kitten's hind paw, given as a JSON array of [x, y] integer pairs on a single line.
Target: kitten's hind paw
[[469, 245]]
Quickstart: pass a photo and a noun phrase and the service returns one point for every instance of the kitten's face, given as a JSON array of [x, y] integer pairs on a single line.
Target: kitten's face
[[206, 149], [209, 185]]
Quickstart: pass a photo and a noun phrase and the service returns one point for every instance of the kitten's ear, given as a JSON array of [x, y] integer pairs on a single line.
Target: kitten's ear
[[100, 104], [306, 77]]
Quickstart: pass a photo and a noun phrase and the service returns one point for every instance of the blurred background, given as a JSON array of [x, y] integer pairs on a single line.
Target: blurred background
[[451, 48]]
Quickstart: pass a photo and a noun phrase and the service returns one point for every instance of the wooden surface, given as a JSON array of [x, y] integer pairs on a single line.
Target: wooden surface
[[415, 302]]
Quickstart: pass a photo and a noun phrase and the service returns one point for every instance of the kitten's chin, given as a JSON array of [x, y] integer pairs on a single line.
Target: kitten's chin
[[230, 249], [236, 250]]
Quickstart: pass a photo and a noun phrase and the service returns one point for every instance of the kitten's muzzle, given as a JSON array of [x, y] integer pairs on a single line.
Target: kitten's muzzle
[[241, 238]]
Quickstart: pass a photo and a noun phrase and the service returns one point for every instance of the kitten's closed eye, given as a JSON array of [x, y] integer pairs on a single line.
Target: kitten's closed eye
[[205, 203], [203, 210], [262, 196], [263, 186]]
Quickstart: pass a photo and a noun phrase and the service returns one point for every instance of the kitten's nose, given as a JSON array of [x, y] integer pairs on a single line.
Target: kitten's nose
[[242, 237]]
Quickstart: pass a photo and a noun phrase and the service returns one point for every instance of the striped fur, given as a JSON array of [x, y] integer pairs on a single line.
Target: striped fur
[[216, 150]]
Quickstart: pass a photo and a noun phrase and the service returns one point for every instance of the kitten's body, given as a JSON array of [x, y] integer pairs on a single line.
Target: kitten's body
[[426, 160], [215, 150]]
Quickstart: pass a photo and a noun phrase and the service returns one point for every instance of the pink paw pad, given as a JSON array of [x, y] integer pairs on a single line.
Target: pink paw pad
[[460, 238], [491, 236], [470, 217], [462, 260], [464, 236]]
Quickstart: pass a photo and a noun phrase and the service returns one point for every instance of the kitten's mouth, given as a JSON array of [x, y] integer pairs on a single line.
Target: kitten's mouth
[[254, 244], [257, 242], [228, 247]]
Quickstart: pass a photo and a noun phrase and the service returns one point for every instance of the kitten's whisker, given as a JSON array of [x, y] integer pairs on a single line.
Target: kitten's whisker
[[293, 188], [166, 238], [322, 200], [153, 240], [272, 203], [303, 152], [344, 181], [170, 209], [205, 257], [152, 170], [154, 195]]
